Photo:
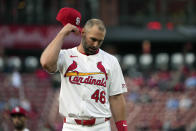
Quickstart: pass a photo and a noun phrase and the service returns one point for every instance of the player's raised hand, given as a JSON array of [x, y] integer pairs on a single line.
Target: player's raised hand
[[68, 28]]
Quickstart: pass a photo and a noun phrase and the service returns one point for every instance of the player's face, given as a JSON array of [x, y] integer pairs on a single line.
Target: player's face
[[92, 40], [19, 121]]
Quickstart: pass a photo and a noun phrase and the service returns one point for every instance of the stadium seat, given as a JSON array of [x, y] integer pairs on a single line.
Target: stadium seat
[[1, 64], [161, 61], [31, 63], [129, 60], [145, 61], [189, 59], [14, 62], [177, 60]]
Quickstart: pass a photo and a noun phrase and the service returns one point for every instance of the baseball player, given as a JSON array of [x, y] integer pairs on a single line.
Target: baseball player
[[92, 83], [18, 117]]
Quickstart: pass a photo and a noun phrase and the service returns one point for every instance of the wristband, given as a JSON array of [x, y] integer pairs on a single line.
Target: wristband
[[121, 125]]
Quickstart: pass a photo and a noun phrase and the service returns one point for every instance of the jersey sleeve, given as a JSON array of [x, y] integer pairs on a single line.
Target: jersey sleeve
[[117, 84], [61, 61]]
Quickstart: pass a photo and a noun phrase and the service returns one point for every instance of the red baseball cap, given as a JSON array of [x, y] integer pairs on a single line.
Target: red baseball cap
[[18, 110], [69, 15]]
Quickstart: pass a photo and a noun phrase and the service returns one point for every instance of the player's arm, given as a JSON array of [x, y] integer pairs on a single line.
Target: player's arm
[[49, 56], [118, 108]]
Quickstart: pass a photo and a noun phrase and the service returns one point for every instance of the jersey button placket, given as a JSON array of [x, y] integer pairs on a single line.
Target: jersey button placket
[[83, 100]]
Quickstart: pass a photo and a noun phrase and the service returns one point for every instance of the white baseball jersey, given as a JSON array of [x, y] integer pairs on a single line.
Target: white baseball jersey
[[87, 82]]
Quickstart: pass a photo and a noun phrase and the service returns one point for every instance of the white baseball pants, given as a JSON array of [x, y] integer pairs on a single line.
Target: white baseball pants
[[105, 126]]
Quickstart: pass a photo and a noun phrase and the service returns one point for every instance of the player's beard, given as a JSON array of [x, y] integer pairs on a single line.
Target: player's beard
[[19, 126], [89, 50]]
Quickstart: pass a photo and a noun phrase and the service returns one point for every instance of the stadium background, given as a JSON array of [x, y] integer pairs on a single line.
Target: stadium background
[[154, 41]]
